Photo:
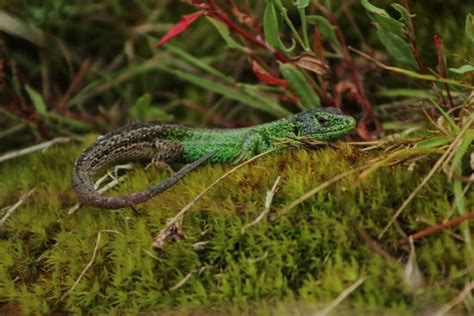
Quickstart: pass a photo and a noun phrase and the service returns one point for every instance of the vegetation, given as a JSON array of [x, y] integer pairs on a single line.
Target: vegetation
[[334, 230]]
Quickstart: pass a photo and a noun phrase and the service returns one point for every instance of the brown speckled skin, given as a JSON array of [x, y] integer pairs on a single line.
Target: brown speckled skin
[[135, 142]]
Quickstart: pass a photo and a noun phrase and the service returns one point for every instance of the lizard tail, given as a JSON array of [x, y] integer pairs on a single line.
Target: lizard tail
[[84, 187]]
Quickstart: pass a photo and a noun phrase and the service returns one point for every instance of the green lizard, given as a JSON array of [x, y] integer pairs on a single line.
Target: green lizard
[[174, 143]]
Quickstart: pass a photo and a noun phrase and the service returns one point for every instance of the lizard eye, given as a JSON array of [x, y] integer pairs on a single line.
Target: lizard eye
[[321, 120]]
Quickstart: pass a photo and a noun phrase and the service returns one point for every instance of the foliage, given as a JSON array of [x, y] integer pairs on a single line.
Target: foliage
[[71, 67]]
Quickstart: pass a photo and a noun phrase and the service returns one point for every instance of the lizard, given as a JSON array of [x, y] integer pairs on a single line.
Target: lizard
[[170, 143]]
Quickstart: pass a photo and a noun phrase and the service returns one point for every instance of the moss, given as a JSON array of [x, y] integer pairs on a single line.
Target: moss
[[299, 261]]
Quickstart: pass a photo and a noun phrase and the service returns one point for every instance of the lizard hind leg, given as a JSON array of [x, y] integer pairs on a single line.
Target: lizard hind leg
[[167, 151]]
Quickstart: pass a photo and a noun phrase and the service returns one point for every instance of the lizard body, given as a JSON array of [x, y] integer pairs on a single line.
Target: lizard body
[[194, 146]]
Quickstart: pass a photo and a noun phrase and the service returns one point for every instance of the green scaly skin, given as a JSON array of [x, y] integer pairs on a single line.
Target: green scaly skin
[[174, 143]]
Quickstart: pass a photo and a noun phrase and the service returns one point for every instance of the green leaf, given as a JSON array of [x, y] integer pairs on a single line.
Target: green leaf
[[158, 114], [454, 128], [224, 32], [301, 4], [433, 142], [396, 47], [470, 27], [456, 165], [308, 98], [404, 14], [410, 93], [197, 62], [271, 29], [37, 100], [327, 30], [141, 107], [270, 25], [383, 19], [260, 103], [463, 69], [373, 9]]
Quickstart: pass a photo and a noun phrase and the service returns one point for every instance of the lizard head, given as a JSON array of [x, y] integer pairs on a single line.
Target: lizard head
[[323, 124]]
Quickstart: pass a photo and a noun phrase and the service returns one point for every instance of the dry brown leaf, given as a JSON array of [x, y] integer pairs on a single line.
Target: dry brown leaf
[[311, 63]]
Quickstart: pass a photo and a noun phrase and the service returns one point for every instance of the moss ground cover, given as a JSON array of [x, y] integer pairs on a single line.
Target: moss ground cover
[[300, 261]]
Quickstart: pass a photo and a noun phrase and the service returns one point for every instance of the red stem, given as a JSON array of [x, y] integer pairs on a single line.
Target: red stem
[[436, 228], [213, 10], [356, 77]]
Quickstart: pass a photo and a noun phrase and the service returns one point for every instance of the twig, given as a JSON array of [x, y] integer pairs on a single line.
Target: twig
[[426, 179], [326, 310], [171, 224], [25, 151], [10, 210], [438, 227], [268, 204], [458, 299], [91, 262]]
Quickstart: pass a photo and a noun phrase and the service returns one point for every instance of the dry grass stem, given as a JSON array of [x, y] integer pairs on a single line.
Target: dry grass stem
[[186, 278], [91, 262], [319, 188], [164, 232], [14, 207], [435, 168], [43, 146], [268, 204], [326, 310], [458, 299]]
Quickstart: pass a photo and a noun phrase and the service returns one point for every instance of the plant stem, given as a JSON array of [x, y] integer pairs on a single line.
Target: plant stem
[[296, 35], [356, 77]]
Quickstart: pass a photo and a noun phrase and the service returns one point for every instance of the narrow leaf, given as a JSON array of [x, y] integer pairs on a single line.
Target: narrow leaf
[[463, 69], [271, 29], [396, 47], [231, 93], [179, 28], [141, 107], [197, 62], [433, 142], [224, 32], [270, 25], [327, 30], [301, 4], [308, 98], [404, 14], [36, 99], [470, 27], [383, 19]]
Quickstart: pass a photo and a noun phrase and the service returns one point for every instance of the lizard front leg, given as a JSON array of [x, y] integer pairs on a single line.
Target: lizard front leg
[[252, 145]]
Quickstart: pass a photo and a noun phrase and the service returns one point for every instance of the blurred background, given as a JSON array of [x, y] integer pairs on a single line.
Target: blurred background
[[72, 67]]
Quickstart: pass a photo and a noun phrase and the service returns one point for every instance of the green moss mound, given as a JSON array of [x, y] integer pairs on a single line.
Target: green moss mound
[[300, 261]]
